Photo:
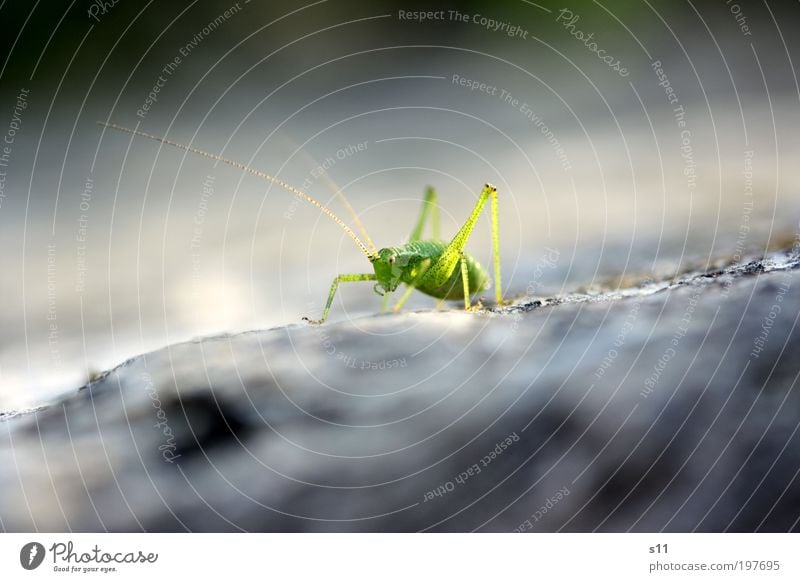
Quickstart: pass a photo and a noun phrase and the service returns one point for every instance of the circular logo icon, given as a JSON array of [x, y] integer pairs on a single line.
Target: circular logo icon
[[31, 555]]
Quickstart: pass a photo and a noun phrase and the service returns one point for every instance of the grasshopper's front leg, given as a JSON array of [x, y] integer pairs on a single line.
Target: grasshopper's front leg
[[352, 278]]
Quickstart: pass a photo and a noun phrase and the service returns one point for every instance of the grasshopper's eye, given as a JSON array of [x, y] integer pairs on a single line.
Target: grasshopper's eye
[[391, 260]]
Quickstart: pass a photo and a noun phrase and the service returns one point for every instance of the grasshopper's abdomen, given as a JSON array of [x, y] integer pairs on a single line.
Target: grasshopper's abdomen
[[453, 288]]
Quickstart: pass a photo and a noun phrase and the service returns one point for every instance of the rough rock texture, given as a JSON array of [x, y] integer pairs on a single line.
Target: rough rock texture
[[665, 406]]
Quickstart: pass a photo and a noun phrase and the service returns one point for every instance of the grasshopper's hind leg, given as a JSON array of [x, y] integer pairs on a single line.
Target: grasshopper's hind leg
[[498, 291], [429, 206], [450, 258], [340, 279]]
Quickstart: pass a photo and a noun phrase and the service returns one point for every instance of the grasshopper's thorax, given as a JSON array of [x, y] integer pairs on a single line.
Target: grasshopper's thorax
[[390, 265]]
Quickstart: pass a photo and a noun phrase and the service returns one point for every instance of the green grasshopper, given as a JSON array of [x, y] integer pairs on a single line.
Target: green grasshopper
[[435, 267]]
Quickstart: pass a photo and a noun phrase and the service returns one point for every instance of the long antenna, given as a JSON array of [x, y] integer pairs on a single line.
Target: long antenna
[[339, 194], [249, 170]]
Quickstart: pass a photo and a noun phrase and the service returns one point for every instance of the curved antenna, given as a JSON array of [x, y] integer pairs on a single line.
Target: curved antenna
[[249, 170], [339, 194]]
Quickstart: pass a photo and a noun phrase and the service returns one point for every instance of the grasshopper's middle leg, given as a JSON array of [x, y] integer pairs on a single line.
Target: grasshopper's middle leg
[[340, 279]]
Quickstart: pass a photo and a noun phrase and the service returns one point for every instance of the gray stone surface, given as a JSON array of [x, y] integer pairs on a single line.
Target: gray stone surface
[[662, 406]]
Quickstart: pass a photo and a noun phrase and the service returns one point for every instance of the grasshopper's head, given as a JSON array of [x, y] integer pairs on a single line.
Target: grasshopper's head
[[388, 264]]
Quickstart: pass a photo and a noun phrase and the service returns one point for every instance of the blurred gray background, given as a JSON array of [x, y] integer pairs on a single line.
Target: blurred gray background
[[603, 174]]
